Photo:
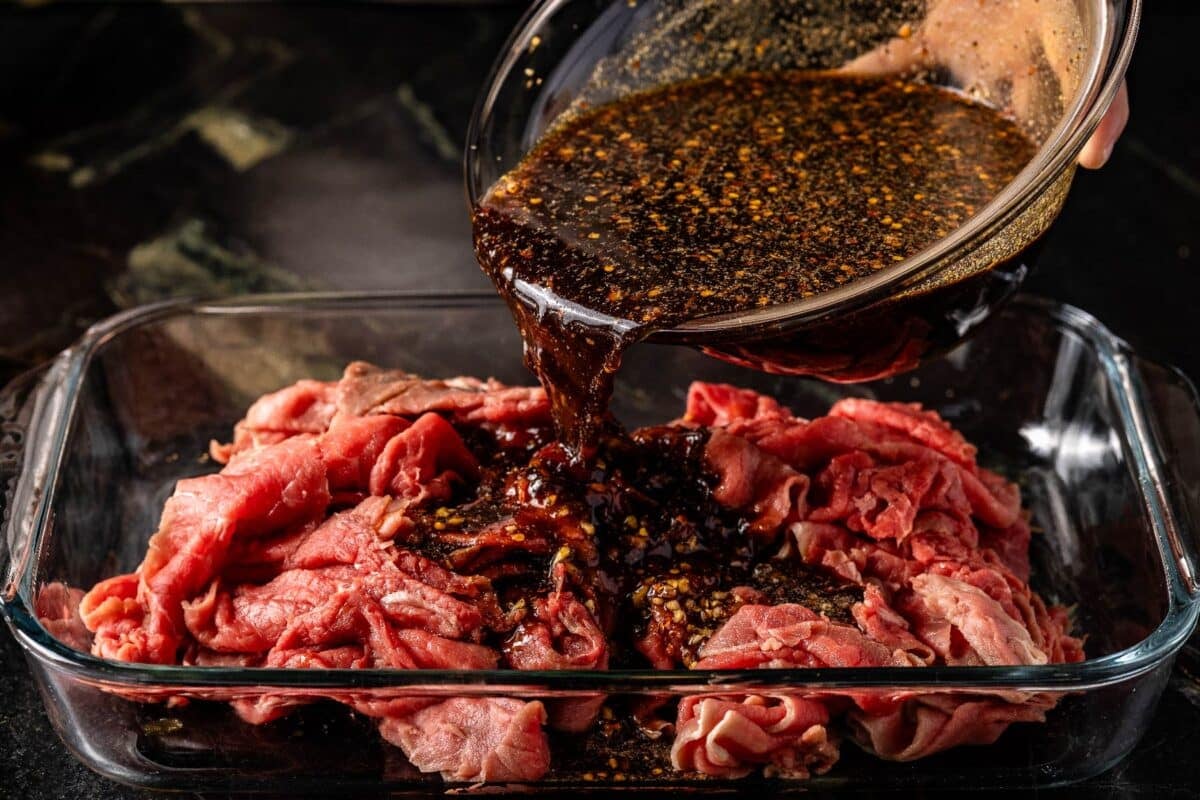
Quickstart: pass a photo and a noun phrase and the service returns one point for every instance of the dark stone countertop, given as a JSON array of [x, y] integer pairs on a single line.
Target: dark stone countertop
[[148, 151]]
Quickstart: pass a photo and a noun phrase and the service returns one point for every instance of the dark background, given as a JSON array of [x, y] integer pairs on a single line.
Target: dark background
[[148, 151]]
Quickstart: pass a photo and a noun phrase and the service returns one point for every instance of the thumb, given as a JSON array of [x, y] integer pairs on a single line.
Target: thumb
[[1098, 148]]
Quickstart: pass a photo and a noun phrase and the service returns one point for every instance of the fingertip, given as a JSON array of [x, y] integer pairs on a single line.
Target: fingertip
[[1095, 154], [1099, 148]]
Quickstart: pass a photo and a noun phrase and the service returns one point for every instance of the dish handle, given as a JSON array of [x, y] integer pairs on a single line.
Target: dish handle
[[1174, 433], [17, 406]]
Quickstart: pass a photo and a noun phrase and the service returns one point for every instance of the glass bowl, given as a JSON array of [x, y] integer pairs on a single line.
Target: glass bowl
[[1054, 65]]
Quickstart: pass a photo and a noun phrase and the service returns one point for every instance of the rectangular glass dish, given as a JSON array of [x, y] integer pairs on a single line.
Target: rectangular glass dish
[[1105, 445]]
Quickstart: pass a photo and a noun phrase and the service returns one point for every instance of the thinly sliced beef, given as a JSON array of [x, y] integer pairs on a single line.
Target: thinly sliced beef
[[897, 505], [251, 618], [423, 462], [884, 501], [305, 407], [790, 635], [316, 548], [259, 559], [561, 634], [803, 444], [728, 736], [932, 723], [367, 389], [890, 433], [351, 450], [350, 629], [766, 490], [343, 555], [351, 538], [992, 636], [842, 553], [719, 405], [112, 612], [473, 739], [259, 492], [1011, 545], [57, 608], [415, 604], [909, 419], [311, 407], [882, 623], [470, 587]]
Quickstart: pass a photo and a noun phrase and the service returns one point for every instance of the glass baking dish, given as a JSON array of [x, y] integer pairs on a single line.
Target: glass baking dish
[[1104, 443]]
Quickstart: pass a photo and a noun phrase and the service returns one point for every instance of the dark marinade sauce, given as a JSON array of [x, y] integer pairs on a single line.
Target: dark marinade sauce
[[721, 195], [635, 533]]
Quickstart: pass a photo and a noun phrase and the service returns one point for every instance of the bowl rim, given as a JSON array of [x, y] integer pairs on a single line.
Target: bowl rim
[[49, 431], [1056, 157]]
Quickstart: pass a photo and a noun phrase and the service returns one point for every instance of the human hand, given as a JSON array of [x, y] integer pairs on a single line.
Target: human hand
[[1024, 55]]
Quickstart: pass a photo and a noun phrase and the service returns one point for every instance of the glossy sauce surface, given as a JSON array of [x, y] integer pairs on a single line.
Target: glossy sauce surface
[[636, 534]]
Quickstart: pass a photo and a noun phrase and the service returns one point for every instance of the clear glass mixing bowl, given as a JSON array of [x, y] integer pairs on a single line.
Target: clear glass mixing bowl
[[1053, 65]]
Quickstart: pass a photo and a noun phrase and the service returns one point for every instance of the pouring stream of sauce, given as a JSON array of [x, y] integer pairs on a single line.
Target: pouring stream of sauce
[[719, 195]]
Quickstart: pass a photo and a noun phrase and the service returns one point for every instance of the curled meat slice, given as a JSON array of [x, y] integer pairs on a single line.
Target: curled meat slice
[[367, 389], [351, 630], [250, 618], [769, 492], [57, 608], [922, 426], [474, 739], [728, 736], [305, 407], [719, 404], [932, 723], [561, 634], [415, 604], [790, 635], [351, 449], [351, 616], [992, 636], [423, 462], [259, 492], [851, 557], [882, 623]]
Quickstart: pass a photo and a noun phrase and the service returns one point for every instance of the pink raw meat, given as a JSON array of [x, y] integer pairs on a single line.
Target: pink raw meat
[[311, 550], [474, 739], [258, 492], [352, 447], [883, 624], [932, 723], [993, 636], [790, 635], [925, 427], [728, 736], [561, 634], [719, 404], [367, 389], [766, 490], [305, 407], [423, 462]]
